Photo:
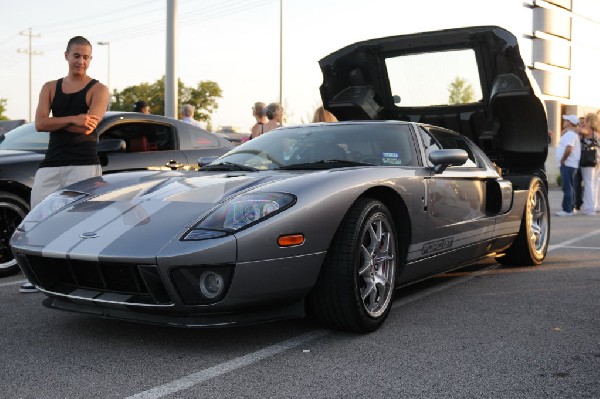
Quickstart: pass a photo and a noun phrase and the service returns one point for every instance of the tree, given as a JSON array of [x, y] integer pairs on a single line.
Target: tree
[[3, 109], [203, 97], [461, 92]]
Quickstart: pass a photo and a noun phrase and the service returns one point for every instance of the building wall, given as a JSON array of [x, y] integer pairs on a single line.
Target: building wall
[[563, 42]]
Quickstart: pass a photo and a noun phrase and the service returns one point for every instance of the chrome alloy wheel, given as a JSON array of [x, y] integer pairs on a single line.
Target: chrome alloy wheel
[[377, 267], [539, 224]]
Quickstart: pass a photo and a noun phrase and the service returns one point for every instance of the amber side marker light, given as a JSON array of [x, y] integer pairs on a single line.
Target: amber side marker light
[[290, 240]]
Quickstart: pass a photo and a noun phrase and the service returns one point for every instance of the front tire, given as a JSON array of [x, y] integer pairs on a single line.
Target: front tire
[[355, 288], [531, 244], [12, 211]]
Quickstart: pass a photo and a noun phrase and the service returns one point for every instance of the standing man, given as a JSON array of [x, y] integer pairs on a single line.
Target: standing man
[[187, 115], [77, 103], [567, 155]]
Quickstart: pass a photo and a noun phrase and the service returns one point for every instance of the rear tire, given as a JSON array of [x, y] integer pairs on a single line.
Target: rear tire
[[12, 211], [355, 288], [531, 244]]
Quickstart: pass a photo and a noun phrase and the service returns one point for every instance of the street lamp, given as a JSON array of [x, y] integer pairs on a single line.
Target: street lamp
[[281, 52], [108, 77]]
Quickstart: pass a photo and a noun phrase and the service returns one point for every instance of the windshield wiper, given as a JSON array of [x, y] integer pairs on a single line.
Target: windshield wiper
[[228, 166], [325, 164]]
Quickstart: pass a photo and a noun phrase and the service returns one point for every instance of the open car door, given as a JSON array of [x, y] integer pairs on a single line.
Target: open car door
[[471, 80]]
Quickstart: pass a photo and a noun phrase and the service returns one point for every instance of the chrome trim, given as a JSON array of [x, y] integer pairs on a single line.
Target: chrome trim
[[94, 300]]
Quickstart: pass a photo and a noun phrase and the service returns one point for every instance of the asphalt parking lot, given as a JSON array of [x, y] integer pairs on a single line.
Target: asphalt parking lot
[[481, 331]]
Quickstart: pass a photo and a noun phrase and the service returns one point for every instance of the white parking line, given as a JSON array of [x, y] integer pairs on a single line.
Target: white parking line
[[575, 247], [234, 364], [223, 368], [573, 240]]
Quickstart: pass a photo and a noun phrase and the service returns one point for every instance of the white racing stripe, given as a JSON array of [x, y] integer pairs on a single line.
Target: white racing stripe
[[61, 245], [109, 223], [224, 368], [112, 231]]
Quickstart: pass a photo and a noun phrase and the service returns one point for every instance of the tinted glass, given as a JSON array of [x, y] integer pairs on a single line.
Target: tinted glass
[[373, 143], [24, 138], [202, 139], [435, 78], [434, 139], [142, 137]]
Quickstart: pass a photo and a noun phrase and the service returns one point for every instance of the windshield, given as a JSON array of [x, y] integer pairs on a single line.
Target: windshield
[[329, 145], [25, 138]]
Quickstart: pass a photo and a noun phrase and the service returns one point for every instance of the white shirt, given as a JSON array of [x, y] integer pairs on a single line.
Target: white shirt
[[191, 121], [569, 138]]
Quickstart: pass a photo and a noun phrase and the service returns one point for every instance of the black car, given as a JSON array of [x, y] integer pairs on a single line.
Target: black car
[[128, 141]]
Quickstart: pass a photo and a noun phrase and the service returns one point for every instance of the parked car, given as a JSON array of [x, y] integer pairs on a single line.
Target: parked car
[[128, 141], [8, 125], [329, 218]]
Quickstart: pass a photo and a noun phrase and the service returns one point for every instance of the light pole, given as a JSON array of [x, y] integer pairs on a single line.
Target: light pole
[[108, 76], [281, 52]]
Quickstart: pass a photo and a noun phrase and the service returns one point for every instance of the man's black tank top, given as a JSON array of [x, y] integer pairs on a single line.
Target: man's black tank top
[[66, 148]]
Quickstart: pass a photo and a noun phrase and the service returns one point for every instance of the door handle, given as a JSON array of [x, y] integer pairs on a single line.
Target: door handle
[[174, 165]]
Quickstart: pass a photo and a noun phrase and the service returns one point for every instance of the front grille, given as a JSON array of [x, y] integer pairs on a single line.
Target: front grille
[[61, 275]]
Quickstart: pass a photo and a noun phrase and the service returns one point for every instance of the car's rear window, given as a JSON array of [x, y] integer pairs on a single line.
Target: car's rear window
[[434, 78]]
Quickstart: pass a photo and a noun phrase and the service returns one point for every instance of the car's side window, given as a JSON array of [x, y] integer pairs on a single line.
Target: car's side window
[[429, 143], [142, 137], [202, 139], [454, 141]]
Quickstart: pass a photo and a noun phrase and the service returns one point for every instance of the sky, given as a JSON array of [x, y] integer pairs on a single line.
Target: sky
[[235, 43]]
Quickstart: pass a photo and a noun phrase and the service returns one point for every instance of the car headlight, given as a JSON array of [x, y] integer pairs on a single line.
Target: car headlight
[[49, 206], [239, 213]]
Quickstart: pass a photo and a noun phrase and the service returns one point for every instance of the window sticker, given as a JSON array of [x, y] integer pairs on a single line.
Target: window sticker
[[390, 158]]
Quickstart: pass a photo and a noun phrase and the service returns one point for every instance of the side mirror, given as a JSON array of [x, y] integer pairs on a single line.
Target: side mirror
[[205, 161], [111, 145], [441, 159]]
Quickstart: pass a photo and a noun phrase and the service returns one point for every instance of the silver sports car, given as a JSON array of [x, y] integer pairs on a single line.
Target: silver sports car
[[329, 218]]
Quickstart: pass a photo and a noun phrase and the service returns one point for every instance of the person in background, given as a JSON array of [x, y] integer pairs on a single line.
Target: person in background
[[588, 167], [567, 155], [142, 107], [77, 104], [259, 113], [322, 115], [187, 115], [578, 186], [592, 122], [274, 113]]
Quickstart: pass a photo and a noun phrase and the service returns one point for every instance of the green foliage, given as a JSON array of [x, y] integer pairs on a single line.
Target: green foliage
[[3, 109], [461, 92], [203, 97]]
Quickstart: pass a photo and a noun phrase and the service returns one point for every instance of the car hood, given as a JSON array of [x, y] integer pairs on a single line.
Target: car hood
[[508, 123], [134, 214], [16, 156]]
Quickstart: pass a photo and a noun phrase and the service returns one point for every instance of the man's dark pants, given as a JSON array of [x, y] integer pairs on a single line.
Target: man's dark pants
[[567, 175]]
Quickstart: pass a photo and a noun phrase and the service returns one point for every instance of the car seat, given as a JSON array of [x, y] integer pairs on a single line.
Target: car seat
[[140, 144]]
